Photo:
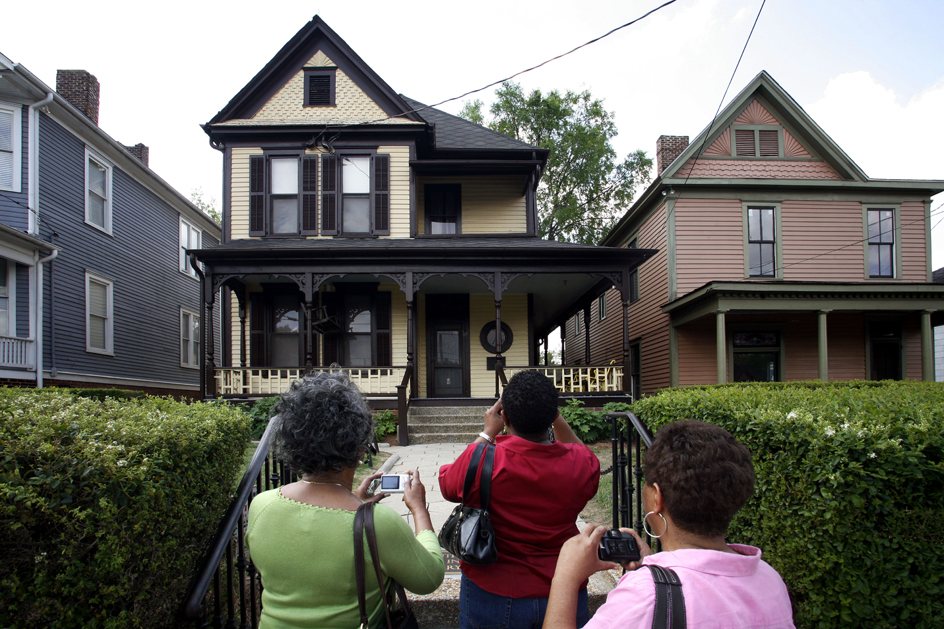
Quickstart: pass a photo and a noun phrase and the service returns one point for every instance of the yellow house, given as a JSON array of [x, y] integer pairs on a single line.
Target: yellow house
[[367, 232]]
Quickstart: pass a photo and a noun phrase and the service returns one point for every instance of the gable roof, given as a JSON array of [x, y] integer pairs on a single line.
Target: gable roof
[[314, 36], [453, 132], [938, 276]]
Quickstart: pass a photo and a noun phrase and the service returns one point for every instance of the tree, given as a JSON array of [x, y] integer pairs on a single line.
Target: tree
[[583, 190], [208, 206]]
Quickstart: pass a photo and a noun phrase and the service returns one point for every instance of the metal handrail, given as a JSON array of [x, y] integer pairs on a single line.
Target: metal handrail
[[193, 602]]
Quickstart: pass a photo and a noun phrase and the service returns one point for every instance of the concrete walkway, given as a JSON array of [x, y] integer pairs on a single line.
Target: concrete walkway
[[440, 609]]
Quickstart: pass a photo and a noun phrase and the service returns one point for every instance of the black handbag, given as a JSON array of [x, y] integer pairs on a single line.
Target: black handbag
[[670, 604], [401, 617], [468, 532]]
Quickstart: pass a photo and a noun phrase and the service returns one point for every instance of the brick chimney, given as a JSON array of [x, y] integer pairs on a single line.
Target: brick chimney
[[140, 151], [81, 89], [668, 147]]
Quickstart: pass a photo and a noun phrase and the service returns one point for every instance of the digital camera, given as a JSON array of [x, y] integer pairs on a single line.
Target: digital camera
[[389, 484], [618, 547]]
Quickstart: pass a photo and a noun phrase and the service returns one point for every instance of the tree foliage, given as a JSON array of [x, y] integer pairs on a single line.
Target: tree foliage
[[584, 188], [207, 205]]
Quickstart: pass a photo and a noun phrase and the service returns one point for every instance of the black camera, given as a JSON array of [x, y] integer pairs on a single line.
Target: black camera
[[618, 547]]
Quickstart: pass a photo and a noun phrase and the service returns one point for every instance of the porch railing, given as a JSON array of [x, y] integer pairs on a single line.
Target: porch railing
[[580, 379], [16, 352], [251, 381]]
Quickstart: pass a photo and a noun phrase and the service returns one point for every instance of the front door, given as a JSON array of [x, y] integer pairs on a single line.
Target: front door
[[447, 342]]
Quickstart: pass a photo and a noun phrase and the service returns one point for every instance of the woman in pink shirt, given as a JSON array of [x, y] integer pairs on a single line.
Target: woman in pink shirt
[[697, 478]]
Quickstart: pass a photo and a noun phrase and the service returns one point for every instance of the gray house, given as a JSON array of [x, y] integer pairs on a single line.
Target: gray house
[[95, 286]]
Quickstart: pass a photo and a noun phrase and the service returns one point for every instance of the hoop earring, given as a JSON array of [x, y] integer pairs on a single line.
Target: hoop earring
[[645, 525]]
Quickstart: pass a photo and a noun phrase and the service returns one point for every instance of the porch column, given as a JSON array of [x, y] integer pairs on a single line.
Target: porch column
[[411, 334], [823, 346], [721, 345], [210, 298], [498, 345], [545, 350], [241, 299], [586, 335], [927, 347], [309, 363]]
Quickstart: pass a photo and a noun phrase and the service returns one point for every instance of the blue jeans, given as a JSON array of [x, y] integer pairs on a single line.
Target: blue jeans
[[479, 609]]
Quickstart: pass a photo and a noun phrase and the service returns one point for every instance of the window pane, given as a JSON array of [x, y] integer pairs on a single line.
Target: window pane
[[96, 209], [356, 216], [284, 175], [755, 366], [4, 316], [96, 178], [6, 169], [196, 341], [874, 270], [885, 261], [3, 277], [766, 259], [355, 175], [285, 216], [357, 349], [98, 299], [284, 350], [874, 227], [6, 131], [97, 332], [185, 327], [767, 224], [286, 320], [888, 227], [754, 260], [447, 347], [358, 314], [438, 227], [753, 224]]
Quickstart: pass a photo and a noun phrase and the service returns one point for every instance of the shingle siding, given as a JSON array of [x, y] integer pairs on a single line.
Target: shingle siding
[[140, 257]]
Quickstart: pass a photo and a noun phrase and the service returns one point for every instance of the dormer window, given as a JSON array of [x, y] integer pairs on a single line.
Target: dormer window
[[757, 141], [319, 87]]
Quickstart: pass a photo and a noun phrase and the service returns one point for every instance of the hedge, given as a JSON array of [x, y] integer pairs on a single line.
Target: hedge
[[849, 501], [106, 506]]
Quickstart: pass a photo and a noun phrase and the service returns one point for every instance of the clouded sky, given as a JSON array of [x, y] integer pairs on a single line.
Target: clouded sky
[[870, 72]]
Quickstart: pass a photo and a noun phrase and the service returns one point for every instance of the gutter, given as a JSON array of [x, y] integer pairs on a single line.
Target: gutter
[[33, 223], [39, 314]]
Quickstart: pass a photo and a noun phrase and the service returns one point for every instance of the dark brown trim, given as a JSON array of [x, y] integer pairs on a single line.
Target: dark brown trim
[[227, 227]]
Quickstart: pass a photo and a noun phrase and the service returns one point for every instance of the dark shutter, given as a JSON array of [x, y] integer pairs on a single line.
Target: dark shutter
[[382, 194], [257, 331], [310, 195], [382, 322], [329, 195], [331, 341], [769, 143], [744, 143], [319, 90], [257, 195]]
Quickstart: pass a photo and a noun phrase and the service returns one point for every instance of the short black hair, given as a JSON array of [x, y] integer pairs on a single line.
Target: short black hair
[[324, 424], [530, 402], [705, 474]]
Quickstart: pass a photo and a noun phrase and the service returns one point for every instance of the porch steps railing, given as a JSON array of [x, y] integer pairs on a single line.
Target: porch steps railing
[[579, 379], [445, 424]]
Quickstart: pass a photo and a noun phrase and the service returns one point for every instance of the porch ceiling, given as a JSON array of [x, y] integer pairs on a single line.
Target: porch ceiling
[[767, 297]]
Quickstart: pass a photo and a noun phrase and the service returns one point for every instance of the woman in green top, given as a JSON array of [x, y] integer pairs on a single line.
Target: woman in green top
[[301, 535]]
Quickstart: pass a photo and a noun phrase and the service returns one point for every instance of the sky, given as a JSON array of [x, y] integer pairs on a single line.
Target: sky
[[869, 72]]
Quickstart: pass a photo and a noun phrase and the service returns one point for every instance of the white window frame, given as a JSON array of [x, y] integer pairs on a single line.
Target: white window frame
[[109, 349], [577, 329], [190, 345], [17, 142], [601, 306], [11, 299], [183, 259], [109, 168]]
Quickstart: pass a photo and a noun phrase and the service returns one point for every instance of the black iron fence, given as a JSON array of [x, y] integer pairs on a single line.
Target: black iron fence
[[629, 435]]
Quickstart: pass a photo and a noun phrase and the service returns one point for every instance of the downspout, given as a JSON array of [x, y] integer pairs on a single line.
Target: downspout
[[33, 223]]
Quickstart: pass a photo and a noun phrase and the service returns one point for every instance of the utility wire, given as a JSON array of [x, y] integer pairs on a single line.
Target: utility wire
[[32, 211]]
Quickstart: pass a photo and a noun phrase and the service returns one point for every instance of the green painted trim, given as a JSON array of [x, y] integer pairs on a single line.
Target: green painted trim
[[673, 356], [778, 239], [896, 214], [927, 347], [770, 159], [721, 364], [754, 327], [777, 195], [672, 251], [822, 345], [929, 188], [927, 239]]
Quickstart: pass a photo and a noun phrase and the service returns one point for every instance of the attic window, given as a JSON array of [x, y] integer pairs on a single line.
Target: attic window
[[319, 87], [757, 142]]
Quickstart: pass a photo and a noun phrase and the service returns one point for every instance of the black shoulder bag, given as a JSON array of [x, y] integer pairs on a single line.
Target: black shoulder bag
[[401, 618], [670, 604], [468, 532]]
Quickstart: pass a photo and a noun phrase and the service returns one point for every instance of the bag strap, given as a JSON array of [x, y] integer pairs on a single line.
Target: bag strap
[[359, 563], [375, 558], [470, 473], [485, 484], [670, 603]]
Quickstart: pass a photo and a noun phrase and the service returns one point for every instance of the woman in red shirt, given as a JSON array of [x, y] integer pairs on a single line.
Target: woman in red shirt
[[539, 487]]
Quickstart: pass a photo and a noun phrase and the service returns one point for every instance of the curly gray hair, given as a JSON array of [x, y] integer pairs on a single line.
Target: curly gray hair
[[324, 424]]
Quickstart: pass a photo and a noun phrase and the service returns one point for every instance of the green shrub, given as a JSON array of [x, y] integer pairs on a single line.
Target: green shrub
[[849, 501], [101, 394], [261, 412], [385, 423], [588, 425], [105, 507]]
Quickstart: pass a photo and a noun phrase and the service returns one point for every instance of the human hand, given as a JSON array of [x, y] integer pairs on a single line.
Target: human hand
[[493, 421], [361, 491], [578, 557], [644, 551], [414, 493]]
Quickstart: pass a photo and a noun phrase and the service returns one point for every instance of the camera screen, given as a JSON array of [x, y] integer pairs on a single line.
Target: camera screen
[[390, 482]]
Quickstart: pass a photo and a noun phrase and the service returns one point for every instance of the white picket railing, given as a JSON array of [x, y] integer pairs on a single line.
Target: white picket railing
[[582, 379], [16, 352], [380, 381]]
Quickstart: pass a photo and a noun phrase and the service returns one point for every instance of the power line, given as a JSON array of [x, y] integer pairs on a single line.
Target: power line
[[32, 211]]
